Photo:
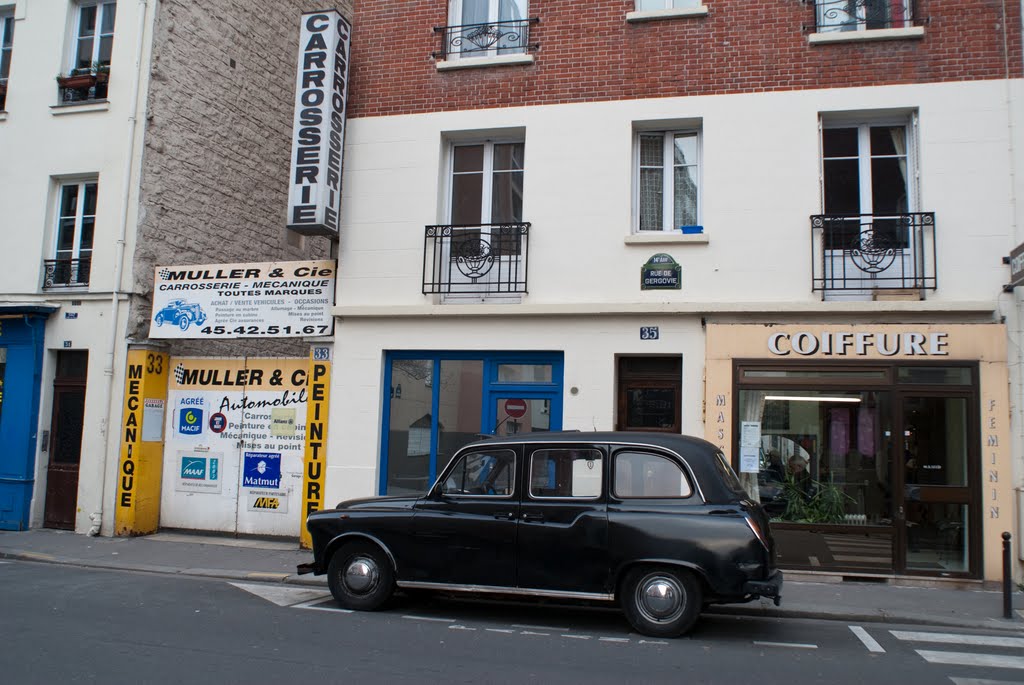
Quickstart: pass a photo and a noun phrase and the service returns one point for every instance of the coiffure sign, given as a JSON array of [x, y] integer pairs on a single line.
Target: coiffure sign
[[321, 95], [858, 344]]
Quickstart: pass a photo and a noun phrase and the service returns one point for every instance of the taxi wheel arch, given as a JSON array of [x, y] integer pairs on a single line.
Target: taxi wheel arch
[[360, 576]]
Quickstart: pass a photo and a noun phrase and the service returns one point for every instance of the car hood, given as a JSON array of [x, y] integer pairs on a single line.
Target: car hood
[[377, 504]]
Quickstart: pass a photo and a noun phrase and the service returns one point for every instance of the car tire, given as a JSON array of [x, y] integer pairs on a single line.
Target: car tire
[[360, 576], [661, 601], [183, 322], [160, 319]]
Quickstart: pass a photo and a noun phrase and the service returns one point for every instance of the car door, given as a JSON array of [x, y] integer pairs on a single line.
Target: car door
[[562, 540], [465, 528]]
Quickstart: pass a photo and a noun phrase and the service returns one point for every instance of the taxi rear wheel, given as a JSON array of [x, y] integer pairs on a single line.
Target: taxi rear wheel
[[360, 576], [661, 602]]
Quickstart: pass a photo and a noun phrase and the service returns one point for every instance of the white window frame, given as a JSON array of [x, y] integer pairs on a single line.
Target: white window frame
[[857, 21], [102, 7], [669, 5], [668, 185], [76, 248], [486, 199], [455, 8], [6, 35]]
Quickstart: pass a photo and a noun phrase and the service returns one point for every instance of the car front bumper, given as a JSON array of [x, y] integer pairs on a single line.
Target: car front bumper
[[772, 587]]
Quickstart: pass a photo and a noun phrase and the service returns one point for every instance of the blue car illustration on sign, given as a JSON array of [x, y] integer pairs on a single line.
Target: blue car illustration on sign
[[181, 314]]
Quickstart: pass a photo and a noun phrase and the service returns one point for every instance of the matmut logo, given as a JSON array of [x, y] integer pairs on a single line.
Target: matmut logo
[[190, 421]]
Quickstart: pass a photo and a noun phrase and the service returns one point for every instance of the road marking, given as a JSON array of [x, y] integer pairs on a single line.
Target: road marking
[[981, 681], [500, 630], [430, 618], [529, 627], [530, 632], [315, 606], [283, 596], [955, 639], [795, 645], [653, 642], [613, 639], [868, 641], [457, 627], [969, 659], [576, 637]]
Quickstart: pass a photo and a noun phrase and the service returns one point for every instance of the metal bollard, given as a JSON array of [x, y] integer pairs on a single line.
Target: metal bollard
[[1007, 579]]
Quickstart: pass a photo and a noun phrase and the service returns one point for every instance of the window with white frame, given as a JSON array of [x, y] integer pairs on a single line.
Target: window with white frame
[[667, 180], [487, 183], [94, 35], [861, 15], [485, 28], [867, 175], [648, 5], [76, 223], [6, 49]]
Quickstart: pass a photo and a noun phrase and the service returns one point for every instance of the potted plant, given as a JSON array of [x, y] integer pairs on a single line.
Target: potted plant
[[84, 77]]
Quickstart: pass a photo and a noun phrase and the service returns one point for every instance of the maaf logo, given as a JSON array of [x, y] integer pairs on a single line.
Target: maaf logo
[[267, 503], [190, 421]]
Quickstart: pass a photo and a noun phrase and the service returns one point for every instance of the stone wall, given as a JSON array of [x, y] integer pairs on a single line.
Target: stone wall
[[217, 150]]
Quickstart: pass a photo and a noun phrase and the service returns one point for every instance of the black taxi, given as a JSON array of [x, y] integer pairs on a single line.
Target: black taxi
[[656, 522]]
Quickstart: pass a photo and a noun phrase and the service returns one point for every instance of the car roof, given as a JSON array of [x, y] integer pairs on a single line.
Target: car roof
[[699, 454]]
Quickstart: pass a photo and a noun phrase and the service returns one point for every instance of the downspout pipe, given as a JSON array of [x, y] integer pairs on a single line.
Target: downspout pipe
[[118, 291]]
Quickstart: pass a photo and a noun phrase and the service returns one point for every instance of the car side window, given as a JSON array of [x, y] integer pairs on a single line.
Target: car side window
[[488, 473], [566, 473], [642, 474]]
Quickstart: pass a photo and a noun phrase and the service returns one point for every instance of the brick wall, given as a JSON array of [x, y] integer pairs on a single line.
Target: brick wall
[[217, 148], [589, 52]]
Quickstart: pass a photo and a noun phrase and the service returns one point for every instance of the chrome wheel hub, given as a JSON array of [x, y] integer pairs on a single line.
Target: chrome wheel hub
[[660, 598], [361, 575]]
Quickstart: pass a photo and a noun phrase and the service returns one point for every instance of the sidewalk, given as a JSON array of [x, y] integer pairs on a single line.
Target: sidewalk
[[274, 561]]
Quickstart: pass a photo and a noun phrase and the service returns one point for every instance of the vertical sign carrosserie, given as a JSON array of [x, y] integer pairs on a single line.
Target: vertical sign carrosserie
[[316, 437], [321, 95], [137, 508]]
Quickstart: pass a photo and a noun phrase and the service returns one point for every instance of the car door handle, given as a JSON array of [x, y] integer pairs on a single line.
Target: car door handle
[[536, 518], [507, 516]]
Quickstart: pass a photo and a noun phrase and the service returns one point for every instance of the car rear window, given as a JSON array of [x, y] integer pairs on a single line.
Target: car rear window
[[729, 476]]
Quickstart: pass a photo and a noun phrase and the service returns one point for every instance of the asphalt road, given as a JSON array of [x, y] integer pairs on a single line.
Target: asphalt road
[[62, 624]]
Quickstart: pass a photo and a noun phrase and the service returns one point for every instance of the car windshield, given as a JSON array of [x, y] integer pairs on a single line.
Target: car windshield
[[732, 481]]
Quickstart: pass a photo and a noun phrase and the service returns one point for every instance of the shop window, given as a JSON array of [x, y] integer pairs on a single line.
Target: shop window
[[668, 181], [436, 403], [650, 394]]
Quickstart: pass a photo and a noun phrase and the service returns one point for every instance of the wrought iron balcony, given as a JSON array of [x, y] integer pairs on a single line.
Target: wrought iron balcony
[[866, 252], [860, 15], [486, 40], [66, 273], [476, 259]]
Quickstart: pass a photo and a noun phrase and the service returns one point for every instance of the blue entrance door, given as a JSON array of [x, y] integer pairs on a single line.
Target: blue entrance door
[[21, 355]]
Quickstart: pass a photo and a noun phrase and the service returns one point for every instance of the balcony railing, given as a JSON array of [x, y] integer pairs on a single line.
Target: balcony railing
[[486, 40], [860, 15], [66, 273], [865, 252], [477, 259]]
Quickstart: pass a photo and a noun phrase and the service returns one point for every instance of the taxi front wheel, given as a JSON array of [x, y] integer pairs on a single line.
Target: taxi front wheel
[[360, 576]]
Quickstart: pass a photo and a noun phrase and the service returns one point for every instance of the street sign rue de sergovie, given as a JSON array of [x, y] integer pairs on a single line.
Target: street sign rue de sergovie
[[1016, 267]]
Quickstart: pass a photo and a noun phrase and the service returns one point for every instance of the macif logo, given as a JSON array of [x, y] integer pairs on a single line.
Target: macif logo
[[190, 421]]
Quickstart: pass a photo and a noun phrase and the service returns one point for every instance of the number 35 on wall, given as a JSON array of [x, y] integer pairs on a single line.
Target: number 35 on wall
[[648, 332]]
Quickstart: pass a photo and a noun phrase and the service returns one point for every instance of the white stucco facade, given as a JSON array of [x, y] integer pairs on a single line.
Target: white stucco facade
[[45, 143]]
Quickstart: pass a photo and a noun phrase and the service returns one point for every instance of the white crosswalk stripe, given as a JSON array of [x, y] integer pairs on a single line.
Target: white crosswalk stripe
[[971, 659], [960, 658]]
